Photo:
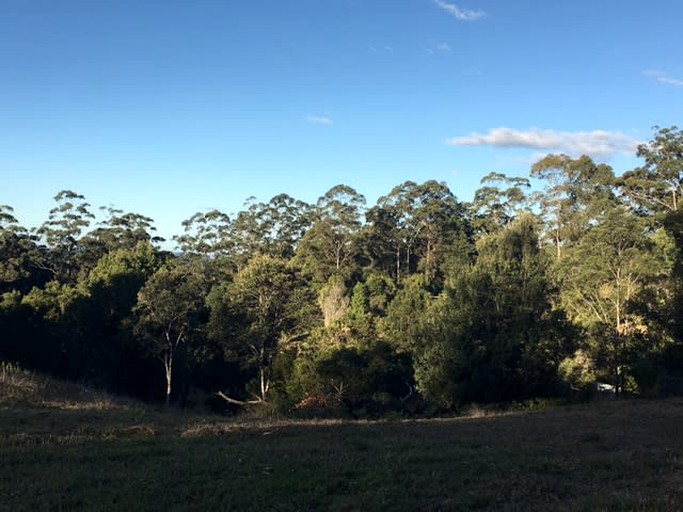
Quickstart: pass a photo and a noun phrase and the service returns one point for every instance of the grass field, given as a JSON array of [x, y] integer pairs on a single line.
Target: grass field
[[69, 449]]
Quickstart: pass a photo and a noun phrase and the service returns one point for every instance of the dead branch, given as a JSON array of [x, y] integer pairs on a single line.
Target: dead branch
[[238, 402]]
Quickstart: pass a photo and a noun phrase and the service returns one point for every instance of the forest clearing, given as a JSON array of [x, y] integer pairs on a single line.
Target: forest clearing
[[64, 449]]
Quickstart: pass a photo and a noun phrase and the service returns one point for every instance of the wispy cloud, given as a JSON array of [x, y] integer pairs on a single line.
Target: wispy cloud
[[381, 49], [439, 48], [598, 143], [459, 12], [663, 78], [323, 120]]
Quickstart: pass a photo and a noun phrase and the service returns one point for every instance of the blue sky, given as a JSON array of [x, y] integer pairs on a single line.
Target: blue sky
[[169, 107]]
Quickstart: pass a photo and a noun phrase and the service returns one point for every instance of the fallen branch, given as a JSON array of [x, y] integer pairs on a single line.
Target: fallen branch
[[238, 402]]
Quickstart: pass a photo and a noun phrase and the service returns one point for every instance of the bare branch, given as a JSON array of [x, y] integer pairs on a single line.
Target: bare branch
[[238, 402]]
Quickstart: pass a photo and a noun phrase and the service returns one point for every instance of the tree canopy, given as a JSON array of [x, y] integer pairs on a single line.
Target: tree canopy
[[419, 300]]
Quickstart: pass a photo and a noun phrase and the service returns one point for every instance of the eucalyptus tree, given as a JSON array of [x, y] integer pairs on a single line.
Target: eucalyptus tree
[[419, 225], [11, 266], [330, 246], [495, 206], [442, 224], [274, 228], [244, 235], [655, 190], [170, 312], [119, 230], [62, 233], [22, 260], [264, 310], [8, 222], [380, 241], [283, 222], [657, 186], [600, 279], [123, 230], [395, 210], [577, 191], [206, 234]]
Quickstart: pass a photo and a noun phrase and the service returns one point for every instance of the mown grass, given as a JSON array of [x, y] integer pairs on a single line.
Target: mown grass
[[624, 455]]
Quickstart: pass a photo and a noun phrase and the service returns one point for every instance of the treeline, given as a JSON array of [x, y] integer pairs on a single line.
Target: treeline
[[417, 301]]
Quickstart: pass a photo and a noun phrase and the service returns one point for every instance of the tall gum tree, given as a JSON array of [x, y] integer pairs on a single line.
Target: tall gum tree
[[330, 247], [577, 190], [657, 186], [62, 232], [169, 310], [206, 234], [655, 191], [275, 228], [117, 231], [494, 206], [417, 224], [600, 278], [22, 260], [264, 310]]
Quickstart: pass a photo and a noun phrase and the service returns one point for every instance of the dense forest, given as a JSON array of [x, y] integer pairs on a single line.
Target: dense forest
[[418, 301]]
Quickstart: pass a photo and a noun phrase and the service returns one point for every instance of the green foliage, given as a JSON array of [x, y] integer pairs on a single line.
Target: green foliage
[[372, 379], [265, 309], [330, 247], [515, 296], [600, 280], [22, 262], [205, 234], [494, 208], [406, 313], [119, 231], [576, 192], [657, 187], [62, 232], [18, 253], [369, 306], [578, 371], [170, 311], [411, 229], [493, 336]]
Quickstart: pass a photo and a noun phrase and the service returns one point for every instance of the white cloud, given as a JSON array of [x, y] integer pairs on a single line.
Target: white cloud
[[381, 49], [598, 143], [441, 48], [663, 78], [325, 121], [460, 13]]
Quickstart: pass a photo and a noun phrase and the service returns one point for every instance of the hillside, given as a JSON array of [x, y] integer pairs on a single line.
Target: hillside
[[70, 452]]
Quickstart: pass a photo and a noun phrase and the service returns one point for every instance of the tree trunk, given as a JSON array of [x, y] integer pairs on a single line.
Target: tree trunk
[[168, 364]]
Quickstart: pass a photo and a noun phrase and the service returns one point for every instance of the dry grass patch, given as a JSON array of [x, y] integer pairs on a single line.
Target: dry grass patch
[[20, 387]]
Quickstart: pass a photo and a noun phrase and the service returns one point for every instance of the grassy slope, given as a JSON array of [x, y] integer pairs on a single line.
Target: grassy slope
[[87, 451]]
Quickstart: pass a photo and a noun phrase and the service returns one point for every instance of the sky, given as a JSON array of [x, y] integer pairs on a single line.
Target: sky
[[171, 107]]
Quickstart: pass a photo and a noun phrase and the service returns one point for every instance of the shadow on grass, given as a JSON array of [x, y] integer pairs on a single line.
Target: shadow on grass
[[610, 456]]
